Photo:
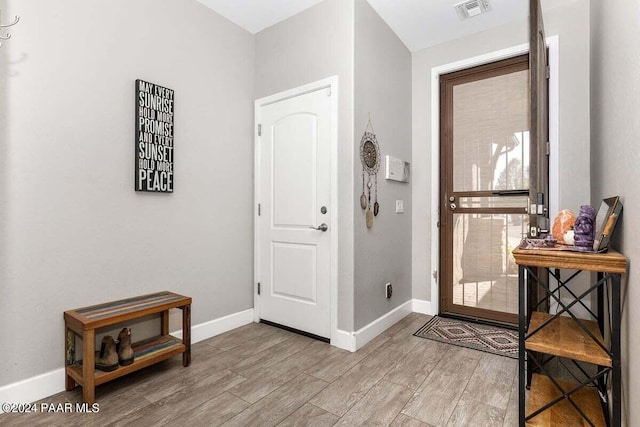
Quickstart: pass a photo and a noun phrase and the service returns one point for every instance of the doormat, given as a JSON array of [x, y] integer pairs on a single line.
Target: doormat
[[490, 339]]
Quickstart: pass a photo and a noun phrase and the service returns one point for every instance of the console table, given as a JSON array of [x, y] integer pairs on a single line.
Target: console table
[[544, 336], [85, 321]]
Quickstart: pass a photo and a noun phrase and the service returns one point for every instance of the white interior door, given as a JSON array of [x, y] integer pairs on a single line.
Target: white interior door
[[294, 242]]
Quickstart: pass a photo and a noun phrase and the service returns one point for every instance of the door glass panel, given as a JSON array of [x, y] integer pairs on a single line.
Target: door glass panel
[[484, 272], [490, 133]]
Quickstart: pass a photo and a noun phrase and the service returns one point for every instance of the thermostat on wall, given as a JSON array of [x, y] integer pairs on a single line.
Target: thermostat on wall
[[396, 169]]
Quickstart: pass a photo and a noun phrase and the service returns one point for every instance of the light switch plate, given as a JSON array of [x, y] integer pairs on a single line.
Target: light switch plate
[[399, 206]]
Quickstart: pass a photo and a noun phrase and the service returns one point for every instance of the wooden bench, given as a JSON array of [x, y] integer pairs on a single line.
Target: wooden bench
[[85, 321]]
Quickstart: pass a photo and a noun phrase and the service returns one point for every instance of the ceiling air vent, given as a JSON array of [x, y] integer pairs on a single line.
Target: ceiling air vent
[[470, 8]]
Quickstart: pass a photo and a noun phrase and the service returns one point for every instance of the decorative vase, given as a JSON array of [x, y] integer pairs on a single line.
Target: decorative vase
[[584, 228]]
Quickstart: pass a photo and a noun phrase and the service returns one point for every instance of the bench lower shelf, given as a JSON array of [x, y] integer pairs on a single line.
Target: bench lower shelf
[[146, 353], [563, 413]]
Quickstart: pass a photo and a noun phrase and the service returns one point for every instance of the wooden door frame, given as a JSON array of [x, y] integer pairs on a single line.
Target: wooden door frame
[[554, 55], [447, 83], [330, 83]]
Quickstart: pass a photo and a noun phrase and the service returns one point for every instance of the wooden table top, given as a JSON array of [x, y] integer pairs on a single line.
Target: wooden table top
[[605, 262], [117, 311]]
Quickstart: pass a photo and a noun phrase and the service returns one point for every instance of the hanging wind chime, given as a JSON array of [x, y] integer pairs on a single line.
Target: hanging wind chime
[[370, 158]]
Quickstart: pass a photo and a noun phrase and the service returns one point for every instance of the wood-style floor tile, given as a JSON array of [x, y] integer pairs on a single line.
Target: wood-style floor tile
[[309, 415], [115, 405], [258, 361], [184, 401], [334, 365], [436, 399], [402, 324], [492, 380], [278, 405], [337, 362], [263, 381], [272, 335], [374, 344], [413, 369], [379, 406], [404, 341], [511, 414], [404, 421], [345, 392], [211, 413], [250, 332], [249, 348], [154, 388], [477, 414], [228, 340]]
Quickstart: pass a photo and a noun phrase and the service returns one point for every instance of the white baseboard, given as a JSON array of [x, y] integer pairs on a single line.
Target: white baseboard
[[34, 388], [422, 307], [50, 383], [375, 328], [354, 340], [218, 326], [344, 340]]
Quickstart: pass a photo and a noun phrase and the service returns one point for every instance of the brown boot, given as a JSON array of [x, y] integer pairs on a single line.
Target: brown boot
[[125, 352], [107, 359]]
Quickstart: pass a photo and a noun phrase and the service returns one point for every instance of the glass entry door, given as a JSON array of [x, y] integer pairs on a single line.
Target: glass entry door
[[484, 189]]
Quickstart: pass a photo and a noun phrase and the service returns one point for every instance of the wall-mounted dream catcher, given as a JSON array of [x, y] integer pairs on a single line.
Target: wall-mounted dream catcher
[[370, 158]]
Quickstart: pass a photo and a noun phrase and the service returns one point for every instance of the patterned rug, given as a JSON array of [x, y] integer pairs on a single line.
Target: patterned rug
[[491, 339]]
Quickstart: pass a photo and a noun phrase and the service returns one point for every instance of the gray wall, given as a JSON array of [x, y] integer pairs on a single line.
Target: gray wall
[[73, 230], [307, 47], [383, 90], [615, 127], [571, 23]]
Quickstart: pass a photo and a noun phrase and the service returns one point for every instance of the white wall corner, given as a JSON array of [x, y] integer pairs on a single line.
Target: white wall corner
[[422, 307], [375, 328], [47, 384]]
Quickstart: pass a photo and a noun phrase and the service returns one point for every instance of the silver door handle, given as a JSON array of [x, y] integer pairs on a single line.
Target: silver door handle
[[322, 227]]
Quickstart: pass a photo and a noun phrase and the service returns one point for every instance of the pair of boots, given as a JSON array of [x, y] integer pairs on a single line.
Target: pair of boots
[[112, 354]]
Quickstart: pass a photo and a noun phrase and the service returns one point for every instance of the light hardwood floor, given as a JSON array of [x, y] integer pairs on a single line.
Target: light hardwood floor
[[258, 375]]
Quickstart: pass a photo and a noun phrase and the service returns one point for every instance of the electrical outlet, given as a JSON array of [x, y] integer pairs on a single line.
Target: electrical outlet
[[388, 290]]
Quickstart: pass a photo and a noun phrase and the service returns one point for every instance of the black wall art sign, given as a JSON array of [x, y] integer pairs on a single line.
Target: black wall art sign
[[154, 138]]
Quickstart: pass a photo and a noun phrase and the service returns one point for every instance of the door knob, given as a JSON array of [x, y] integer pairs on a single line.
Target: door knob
[[322, 227], [453, 206]]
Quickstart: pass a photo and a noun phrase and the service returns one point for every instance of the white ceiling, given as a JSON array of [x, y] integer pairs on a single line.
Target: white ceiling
[[424, 23], [256, 15], [418, 23]]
